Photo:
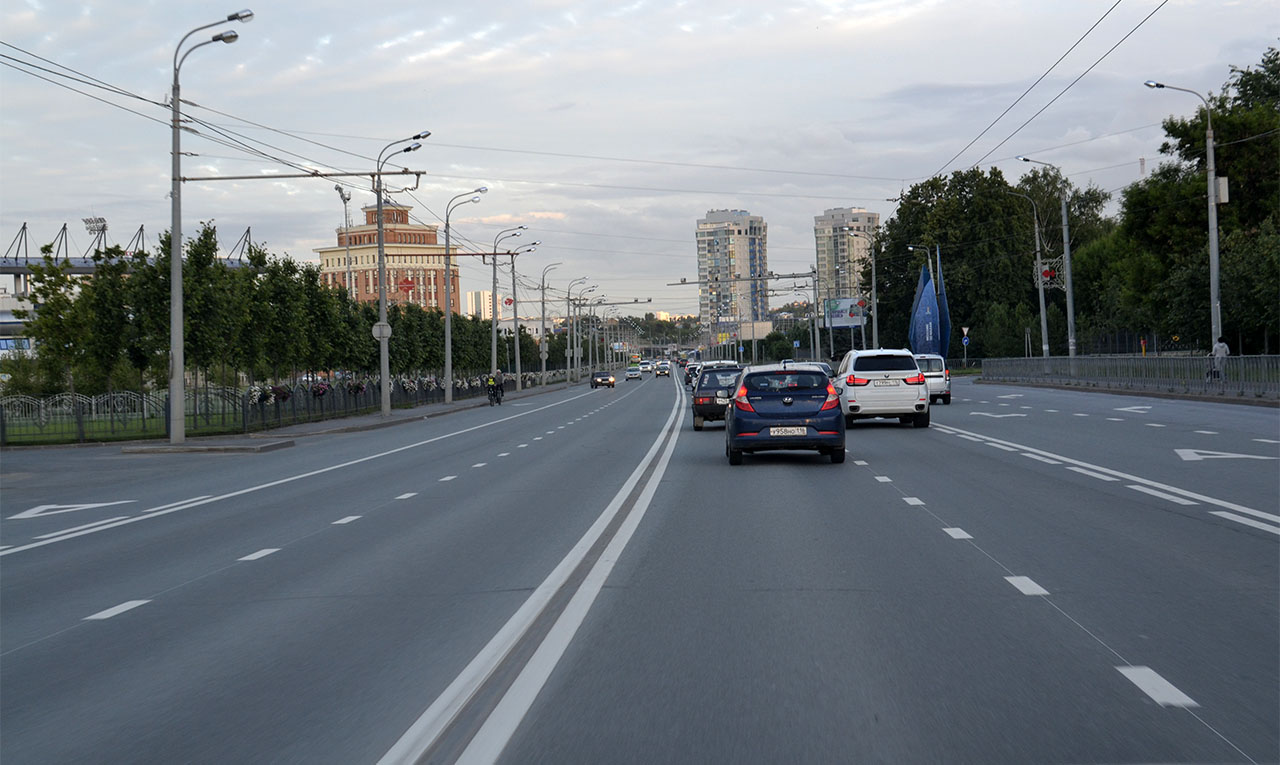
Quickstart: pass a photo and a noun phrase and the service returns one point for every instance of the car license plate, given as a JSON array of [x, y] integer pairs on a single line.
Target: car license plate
[[885, 383], [778, 431], [720, 401]]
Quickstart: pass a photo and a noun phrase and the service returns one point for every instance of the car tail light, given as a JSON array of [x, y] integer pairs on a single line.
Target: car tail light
[[946, 375], [855, 380], [917, 380], [740, 400], [833, 398]]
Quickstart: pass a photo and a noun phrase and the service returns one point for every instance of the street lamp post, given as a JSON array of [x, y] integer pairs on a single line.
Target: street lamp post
[[382, 330], [871, 250], [345, 196], [1215, 307], [1044, 325], [448, 288], [1066, 261], [542, 349], [568, 328], [515, 307], [493, 296], [177, 361]]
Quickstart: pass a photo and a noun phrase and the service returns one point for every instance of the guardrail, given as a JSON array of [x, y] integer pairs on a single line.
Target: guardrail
[[1253, 377]]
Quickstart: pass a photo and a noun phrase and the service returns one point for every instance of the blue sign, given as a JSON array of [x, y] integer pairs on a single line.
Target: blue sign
[[795, 343], [965, 340], [740, 349]]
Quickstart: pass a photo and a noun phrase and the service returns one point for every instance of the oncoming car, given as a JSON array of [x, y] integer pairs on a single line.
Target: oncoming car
[[663, 368], [793, 406], [599, 379], [883, 383], [633, 372]]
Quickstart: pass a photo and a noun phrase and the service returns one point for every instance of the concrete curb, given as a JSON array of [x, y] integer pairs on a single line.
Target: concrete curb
[[265, 446]]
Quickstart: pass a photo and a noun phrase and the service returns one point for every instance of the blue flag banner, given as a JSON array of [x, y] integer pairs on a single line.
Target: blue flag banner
[[944, 315], [925, 334]]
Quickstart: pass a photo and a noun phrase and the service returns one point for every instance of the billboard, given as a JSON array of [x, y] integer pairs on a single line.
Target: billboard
[[846, 312]]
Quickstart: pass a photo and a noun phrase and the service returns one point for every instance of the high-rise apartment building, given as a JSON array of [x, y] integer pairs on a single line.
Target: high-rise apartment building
[[414, 260], [841, 235], [480, 304], [732, 263]]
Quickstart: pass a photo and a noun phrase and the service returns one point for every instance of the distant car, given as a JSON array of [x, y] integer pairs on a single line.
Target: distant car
[[936, 376], [784, 407], [712, 394], [633, 372], [691, 373], [646, 366], [601, 378], [883, 383], [663, 369]]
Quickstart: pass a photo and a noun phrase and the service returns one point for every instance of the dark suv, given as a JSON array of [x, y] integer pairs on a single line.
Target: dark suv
[[712, 393]]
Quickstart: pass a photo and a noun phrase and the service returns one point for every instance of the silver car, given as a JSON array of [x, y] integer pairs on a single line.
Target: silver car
[[936, 376]]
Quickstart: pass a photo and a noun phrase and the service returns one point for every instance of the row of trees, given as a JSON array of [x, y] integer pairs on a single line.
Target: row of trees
[[266, 319], [1144, 271]]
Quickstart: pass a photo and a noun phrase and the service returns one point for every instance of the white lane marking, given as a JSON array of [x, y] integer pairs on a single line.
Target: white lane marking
[[1004, 405], [552, 432], [1266, 441], [482, 464], [998, 416], [57, 509], [537, 438], [1162, 495], [1246, 521], [1001, 446], [187, 504], [1038, 458], [884, 479], [348, 519], [128, 605], [864, 462], [1092, 474], [423, 733], [1024, 406], [971, 438], [561, 427], [1025, 585], [913, 500], [1140, 409], [1123, 476], [1160, 690], [77, 528], [981, 401], [260, 554], [504, 454], [175, 504], [5, 547], [1055, 411], [958, 533], [521, 446], [447, 478], [1115, 419], [1196, 455], [408, 495], [1153, 425], [1011, 395], [1208, 432], [1079, 414]]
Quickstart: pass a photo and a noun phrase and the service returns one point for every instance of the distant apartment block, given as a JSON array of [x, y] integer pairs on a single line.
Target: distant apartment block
[[480, 304], [841, 237], [732, 261]]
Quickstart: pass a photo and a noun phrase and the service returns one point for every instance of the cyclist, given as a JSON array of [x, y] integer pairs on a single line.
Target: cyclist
[[494, 385]]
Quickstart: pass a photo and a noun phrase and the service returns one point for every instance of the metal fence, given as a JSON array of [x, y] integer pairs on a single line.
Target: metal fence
[[213, 410], [1252, 377]]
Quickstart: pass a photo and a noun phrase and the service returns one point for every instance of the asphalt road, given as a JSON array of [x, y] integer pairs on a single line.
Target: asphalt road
[[578, 576]]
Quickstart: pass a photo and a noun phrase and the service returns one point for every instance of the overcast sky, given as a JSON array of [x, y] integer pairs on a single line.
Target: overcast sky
[[608, 128]]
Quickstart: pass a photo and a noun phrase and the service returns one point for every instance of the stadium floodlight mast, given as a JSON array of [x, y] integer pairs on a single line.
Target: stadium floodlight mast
[[177, 363], [1215, 307], [382, 330], [448, 287], [1066, 259]]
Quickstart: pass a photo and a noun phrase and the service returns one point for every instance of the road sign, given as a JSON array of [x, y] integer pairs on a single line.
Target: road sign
[[405, 285], [508, 301], [965, 340], [965, 330], [741, 349], [795, 343], [381, 330]]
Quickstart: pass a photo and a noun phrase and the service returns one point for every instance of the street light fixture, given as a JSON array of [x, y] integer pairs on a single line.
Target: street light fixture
[[448, 288], [493, 296], [177, 362], [1215, 306], [382, 330], [542, 350], [875, 310], [345, 196], [515, 308], [1066, 260], [1044, 324], [568, 325]]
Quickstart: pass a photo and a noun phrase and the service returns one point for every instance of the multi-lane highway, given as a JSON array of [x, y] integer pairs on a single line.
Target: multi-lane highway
[[578, 576]]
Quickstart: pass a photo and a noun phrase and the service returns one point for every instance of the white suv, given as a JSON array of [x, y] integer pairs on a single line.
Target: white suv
[[936, 376], [882, 383]]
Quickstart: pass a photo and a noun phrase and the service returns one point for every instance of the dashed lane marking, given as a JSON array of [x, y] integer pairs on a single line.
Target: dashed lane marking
[[481, 464], [1246, 521], [958, 533], [408, 495], [1160, 690], [504, 454], [1038, 458], [128, 605], [1092, 474], [884, 479], [1025, 585], [1156, 493], [348, 519], [913, 500], [260, 554], [447, 478]]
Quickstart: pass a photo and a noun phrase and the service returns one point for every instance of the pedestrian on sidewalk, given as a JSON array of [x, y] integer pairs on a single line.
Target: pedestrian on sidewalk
[[1220, 352]]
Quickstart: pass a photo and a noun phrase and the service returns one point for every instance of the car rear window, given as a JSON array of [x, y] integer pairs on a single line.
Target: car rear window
[[786, 381], [718, 378], [884, 363], [930, 365]]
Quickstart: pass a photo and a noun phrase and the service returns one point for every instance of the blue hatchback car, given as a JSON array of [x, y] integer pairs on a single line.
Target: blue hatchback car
[[784, 406]]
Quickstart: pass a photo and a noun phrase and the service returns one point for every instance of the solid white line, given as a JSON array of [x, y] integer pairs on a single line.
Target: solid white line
[[77, 528], [1246, 521], [1258, 514], [175, 504], [1025, 585], [5, 547], [128, 605], [1153, 492], [880, 478], [205, 500], [913, 500], [958, 533], [408, 495], [348, 519], [1160, 690], [1038, 458], [1092, 474], [447, 478], [1002, 446], [971, 438], [428, 727], [504, 454], [482, 464], [260, 554]]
